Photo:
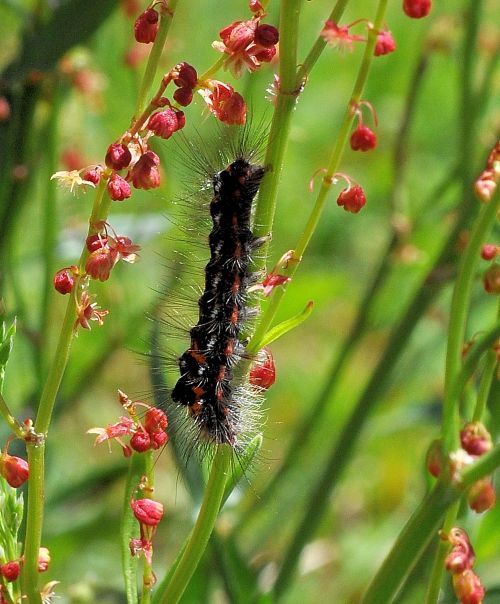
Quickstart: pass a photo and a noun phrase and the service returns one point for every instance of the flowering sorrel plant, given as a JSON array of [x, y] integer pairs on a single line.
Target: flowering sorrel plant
[[360, 102]]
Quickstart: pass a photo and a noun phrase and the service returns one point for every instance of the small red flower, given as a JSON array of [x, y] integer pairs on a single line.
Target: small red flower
[[267, 35], [96, 242], [118, 188], [183, 96], [339, 36], [263, 372], [363, 139], [10, 570], [147, 511], [385, 43], [352, 199], [146, 26], [481, 496], [485, 185], [271, 281], [227, 105], [164, 123], [416, 9], [158, 439], [88, 311], [491, 279], [14, 469], [145, 174], [122, 248], [462, 555], [100, 263], [118, 156], [468, 588], [64, 280], [155, 420]]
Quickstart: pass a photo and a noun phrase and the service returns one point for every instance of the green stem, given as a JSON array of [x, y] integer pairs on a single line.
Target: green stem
[[10, 420], [333, 164], [486, 381], [148, 577], [203, 528], [167, 14]]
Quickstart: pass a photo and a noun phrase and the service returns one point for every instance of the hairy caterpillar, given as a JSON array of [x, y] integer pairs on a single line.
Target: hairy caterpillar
[[211, 398]]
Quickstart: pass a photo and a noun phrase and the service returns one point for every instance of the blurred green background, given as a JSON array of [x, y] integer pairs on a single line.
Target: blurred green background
[[385, 478]]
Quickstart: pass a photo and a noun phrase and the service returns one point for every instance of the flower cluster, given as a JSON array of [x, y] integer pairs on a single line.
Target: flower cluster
[[148, 433], [459, 563], [10, 569], [247, 44], [485, 187]]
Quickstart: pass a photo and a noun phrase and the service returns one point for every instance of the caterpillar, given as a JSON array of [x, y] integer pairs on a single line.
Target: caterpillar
[[217, 403]]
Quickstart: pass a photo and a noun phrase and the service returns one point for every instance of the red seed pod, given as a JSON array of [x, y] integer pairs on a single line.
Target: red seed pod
[[10, 570], [352, 199], [186, 76], [118, 188], [416, 9], [146, 26], [155, 420], [385, 44], [145, 173], [14, 469], [64, 280], [266, 35], [147, 511], [140, 441], [183, 96], [485, 186], [118, 156], [363, 139], [96, 242], [181, 119], [263, 372], [481, 496], [158, 439], [164, 123], [266, 55], [99, 264], [491, 279], [475, 439], [489, 251]]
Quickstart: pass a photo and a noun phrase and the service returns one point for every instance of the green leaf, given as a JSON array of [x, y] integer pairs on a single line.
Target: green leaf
[[244, 461], [5, 347], [285, 326]]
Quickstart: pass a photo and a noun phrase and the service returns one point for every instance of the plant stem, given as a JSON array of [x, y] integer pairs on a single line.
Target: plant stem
[[485, 384], [203, 528], [167, 14]]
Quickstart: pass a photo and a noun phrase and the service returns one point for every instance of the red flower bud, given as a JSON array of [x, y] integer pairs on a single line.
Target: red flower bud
[[434, 458], [99, 264], [468, 588], [10, 570], [266, 35], [416, 9], [263, 372], [145, 173], [43, 559], [140, 441], [363, 139], [186, 76], [457, 561], [118, 188], [491, 279], [147, 511], [481, 496], [385, 44], [93, 175], [485, 186], [146, 26], [164, 123], [96, 242], [64, 281], [14, 469], [183, 96], [158, 439], [352, 199], [155, 420], [475, 439], [489, 251], [118, 156]]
